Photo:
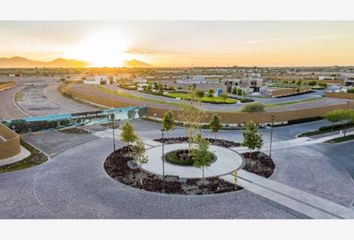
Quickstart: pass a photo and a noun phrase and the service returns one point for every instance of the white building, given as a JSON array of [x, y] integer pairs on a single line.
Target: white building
[[325, 78], [195, 79], [98, 80], [139, 80], [348, 79]]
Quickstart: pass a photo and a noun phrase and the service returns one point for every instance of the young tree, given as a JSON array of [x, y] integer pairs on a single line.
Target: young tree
[[252, 138], [211, 93], [201, 156], [215, 124], [191, 116], [139, 155], [224, 96], [168, 123], [128, 134]]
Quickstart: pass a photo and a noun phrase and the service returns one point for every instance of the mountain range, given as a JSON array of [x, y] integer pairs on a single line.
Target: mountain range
[[21, 62]]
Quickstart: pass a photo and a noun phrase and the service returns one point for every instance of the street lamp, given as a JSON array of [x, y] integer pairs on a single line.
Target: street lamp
[[345, 123], [163, 153], [113, 135], [271, 137]]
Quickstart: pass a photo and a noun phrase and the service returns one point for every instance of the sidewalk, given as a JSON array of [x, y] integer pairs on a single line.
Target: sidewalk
[[295, 199]]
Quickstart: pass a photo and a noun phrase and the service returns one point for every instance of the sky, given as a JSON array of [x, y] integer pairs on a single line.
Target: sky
[[183, 43]]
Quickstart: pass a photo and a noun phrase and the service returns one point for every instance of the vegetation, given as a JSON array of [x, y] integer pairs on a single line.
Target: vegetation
[[341, 139], [168, 122], [252, 137], [128, 134], [191, 116], [206, 99], [350, 90], [202, 157], [211, 93], [326, 129], [32, 160], [139, 155], [253, 107], [215, 124]]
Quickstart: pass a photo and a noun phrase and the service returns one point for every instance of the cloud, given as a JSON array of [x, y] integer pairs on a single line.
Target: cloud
[[258, 41]]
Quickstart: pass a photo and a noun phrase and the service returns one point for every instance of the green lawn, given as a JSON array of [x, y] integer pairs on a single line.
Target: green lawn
[[341, 139], [203, 99], [128, 95], [292, 102], [32, 160]]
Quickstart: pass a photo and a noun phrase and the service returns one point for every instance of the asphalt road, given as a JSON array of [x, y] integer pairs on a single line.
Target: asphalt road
[[8, 109], [73, 184]]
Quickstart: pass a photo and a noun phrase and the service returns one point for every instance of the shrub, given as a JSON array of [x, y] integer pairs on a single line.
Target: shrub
[[253, 107], [350, 90]]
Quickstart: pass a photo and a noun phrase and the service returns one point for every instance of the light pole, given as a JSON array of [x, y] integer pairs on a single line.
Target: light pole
[[113, 135], [163, 153], [345, 123], [271, 137]]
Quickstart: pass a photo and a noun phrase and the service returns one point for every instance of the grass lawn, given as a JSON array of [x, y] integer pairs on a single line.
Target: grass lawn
[[203, 99], [32, 160], [131, 96], [292, 102], [341, 139]]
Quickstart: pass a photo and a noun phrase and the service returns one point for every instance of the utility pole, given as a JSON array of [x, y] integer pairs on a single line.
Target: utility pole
[[163, 153], [271, 137], [113, 135], [346, 120]]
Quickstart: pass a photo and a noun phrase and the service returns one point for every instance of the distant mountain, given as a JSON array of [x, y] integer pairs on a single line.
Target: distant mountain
[[136, 63], [21, 62]]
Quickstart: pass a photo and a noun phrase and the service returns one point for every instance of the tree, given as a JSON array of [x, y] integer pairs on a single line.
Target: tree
[[235, 91], [139, 155], [128, 134], [201, 156], [298, 82], [211, 93], [215, 124], [168, 123], [240, 92], [253, 107], [131, 114], [224, 96], [191, 116], [252, 138], [200, 93], [335, 116], [312, 83]]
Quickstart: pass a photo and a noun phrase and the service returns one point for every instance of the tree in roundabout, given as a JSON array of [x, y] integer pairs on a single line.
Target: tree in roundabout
[[192, 116], [215, 124], [139, 155], [252, 137], [202, 158], [128, 134]]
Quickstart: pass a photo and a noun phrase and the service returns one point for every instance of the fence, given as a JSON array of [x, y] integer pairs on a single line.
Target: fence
[[342, 95]]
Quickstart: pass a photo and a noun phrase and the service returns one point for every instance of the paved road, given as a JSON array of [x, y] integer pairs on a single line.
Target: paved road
[[237, 106], [39, 100], [8, 109], [74, 184]]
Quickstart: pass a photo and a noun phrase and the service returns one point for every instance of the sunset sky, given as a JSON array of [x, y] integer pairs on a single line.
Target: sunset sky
[[183, 43]]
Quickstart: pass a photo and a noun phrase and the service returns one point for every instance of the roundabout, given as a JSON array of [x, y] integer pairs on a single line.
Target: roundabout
[[226, 162]]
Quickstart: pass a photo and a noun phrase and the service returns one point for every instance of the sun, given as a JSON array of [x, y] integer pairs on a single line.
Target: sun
[[103, 49]]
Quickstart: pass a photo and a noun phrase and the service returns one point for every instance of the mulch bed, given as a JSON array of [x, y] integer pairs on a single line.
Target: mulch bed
[[259, 163], [74, 131], [116, 165], [213, 141]]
